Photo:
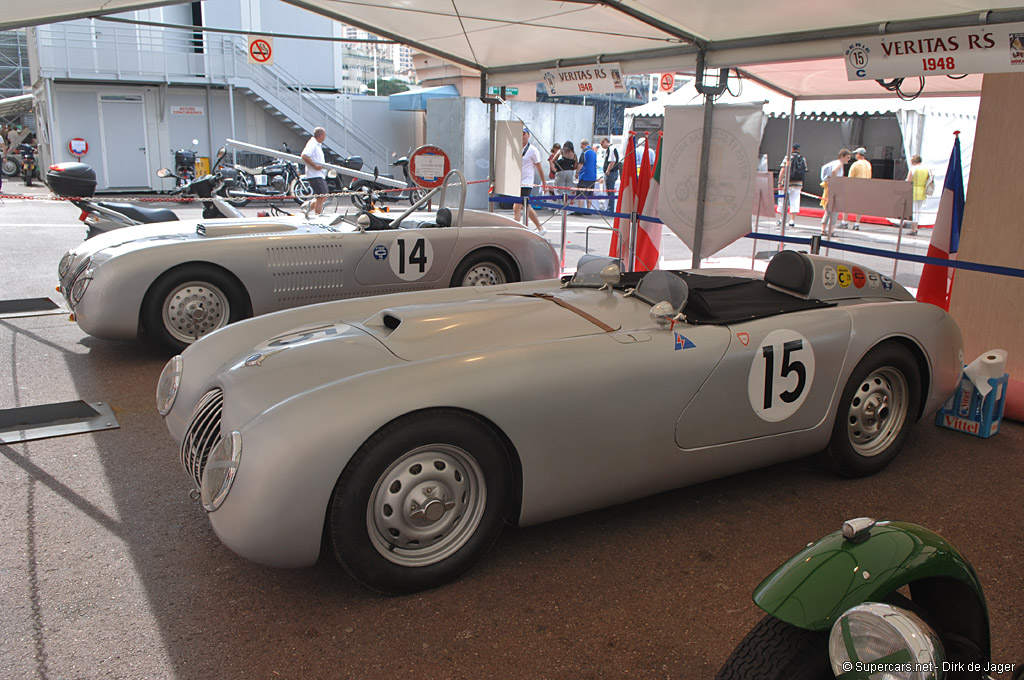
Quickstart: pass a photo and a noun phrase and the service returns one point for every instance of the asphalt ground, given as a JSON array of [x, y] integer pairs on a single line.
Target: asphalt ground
[[109, 570]]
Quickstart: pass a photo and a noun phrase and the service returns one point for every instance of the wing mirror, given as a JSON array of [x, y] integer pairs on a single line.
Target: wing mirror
[[665, 314], [163, 173]]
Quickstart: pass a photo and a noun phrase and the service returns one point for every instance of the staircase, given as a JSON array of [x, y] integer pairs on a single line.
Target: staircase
[[284, 97]]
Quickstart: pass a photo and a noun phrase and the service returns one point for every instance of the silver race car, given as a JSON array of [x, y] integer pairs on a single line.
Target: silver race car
[[181, 280], [408, 429]]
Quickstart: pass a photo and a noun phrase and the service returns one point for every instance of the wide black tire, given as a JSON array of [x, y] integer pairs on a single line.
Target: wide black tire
[[420, 502], [415, 194], [191, 301], [878, 407], [487, 267], [235, 200], [775, 650], [359, 195]]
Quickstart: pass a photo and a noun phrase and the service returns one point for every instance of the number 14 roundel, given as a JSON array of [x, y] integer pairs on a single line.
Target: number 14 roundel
[[781, 375]]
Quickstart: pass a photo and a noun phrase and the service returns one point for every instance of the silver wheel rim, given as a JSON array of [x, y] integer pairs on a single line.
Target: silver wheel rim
[[303, 189], [484, 274], [878, 411], [10, 168], [194, 309], [426, 506]]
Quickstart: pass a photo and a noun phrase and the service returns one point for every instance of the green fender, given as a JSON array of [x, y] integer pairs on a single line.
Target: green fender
[[833, 574]]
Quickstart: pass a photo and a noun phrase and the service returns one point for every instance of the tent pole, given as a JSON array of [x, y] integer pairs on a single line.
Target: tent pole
[[702, 179]]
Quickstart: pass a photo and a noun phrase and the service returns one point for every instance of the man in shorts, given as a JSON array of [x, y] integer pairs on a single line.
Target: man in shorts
[[531, 168], [316, 174]]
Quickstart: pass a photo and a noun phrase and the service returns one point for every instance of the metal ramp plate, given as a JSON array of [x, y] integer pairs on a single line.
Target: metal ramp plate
[[54, 420], [13, 309]]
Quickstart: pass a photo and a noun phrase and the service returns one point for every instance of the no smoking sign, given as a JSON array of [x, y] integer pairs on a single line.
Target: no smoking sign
[[261, 50], [668, 82]]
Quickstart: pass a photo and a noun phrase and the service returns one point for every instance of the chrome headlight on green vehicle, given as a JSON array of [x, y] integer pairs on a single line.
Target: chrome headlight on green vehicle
[[877, 638]]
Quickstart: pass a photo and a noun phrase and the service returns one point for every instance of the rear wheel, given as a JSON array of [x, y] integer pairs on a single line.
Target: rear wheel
[[421, 501], [775, 650], [192, 301], [876, 411], [10, 167], [301, 190], [485, 268]]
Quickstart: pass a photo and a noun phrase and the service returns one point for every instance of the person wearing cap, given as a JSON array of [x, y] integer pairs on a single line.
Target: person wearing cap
[[792, 174], [531, 168], [861, 168]]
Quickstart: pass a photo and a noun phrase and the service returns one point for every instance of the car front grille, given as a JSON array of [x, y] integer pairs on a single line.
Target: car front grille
[[202, 435]]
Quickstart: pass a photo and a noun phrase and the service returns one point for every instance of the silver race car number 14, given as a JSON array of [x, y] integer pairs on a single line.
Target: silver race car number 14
[[781, 375], [411, 257]]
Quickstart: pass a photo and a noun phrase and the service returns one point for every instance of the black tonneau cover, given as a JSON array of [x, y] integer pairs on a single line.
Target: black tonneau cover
[[721, 300]]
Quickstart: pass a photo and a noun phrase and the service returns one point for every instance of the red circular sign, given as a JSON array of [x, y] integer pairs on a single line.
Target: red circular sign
[[78, 147], [668, 81], [260, 50], [428, 166]]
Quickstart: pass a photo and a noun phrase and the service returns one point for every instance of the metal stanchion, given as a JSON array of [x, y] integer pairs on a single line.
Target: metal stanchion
[[634, 225], [815, 244], [565, 220]]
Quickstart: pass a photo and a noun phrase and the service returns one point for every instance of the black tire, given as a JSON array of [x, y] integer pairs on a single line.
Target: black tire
[[301, 191], [10, 167], [486, 267], [415, 194], [359, 195], [198, 299], [775, 650], [235, 200], [420, 502], [878, 407]]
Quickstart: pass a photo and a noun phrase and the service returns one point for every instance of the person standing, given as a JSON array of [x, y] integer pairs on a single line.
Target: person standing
[[565, 170], [587, 177], [316, 174], [611, 171], [792, 175], [556, 149], [861, 168], [836, 168], [531, 168], [921, 177]]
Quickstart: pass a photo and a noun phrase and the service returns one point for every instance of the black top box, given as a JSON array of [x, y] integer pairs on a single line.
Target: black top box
[[73, 180]]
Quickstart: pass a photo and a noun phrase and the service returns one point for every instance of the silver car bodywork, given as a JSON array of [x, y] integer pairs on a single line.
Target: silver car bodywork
[[597, 402], [287, 262]]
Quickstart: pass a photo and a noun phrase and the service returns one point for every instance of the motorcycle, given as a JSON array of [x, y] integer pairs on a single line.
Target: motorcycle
[[888, 598], [278, 178], [411, 193], [77, 181], [28, 163], [185, 164]]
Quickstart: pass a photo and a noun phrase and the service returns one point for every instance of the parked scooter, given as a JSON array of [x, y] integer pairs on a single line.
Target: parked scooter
[[873, 600], [185, 164], [412, 193], [77, 181], [28, 163]]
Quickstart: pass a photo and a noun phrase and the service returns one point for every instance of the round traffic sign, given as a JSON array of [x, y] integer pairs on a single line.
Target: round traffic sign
[[428, 166], [78, 147]]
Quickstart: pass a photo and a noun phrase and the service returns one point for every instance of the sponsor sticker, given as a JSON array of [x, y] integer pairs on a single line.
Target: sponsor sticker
[[380, 252], [873, 279], [829, 279], [845, 276], [743, 337], [859, 279], [886, 283], [683, 342]]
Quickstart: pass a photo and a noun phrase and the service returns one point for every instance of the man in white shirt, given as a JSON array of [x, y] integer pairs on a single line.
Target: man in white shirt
[[836, 168], [531, 167], [313, 157]]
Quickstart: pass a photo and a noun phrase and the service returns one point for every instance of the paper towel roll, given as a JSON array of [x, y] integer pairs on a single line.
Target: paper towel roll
[[991, 364]]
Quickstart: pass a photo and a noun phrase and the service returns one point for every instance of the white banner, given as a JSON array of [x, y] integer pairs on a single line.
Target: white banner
[[982, 49], [590, 79], [732, 177]]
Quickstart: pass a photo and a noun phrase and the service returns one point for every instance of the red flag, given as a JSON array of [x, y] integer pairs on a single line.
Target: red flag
[[648, 236], [627, 201], [936, 280]]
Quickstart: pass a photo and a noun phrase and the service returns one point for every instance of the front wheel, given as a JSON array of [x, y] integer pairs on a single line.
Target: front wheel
[[420, 502], [301, 191], [775, 650], [876, 411], [485, 268], [192, 301]]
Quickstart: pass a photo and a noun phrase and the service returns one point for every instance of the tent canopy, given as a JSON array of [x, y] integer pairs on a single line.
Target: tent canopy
[[793, 46], [416, 100]]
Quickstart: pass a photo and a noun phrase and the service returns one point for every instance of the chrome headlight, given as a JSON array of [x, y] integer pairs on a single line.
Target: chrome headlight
[[892, 642], [65, 264], [220, 470], [80, 286], [167, 386]]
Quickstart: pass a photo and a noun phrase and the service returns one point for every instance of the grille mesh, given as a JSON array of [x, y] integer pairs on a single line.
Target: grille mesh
[[202, 435]]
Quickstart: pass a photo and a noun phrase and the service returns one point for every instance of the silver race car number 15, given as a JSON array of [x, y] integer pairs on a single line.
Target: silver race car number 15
[[781, 375], [411, 257]]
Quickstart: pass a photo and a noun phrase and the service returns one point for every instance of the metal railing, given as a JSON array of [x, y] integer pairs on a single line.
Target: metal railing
[[91, 50]]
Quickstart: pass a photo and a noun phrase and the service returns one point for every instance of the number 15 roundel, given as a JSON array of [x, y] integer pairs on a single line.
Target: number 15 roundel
[[781, 375]]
